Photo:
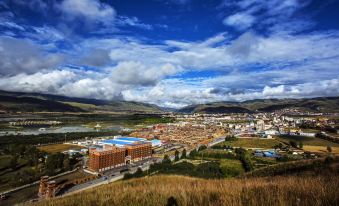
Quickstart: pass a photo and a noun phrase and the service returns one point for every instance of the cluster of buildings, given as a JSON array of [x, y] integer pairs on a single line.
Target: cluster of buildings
[[265, 124], [112, 153], [35, 123], [47, 188], [186, 133]]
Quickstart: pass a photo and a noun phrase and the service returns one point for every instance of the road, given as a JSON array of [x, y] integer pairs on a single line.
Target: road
[[109, 176], [115, 174]]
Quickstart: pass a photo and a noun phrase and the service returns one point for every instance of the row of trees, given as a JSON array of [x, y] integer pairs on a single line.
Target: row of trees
[[31, 163], [245, 159], [30, 154], [327, 137], [48, 138]]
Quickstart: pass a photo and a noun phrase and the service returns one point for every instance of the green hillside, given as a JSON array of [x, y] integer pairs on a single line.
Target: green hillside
[[35, 102], [321, 104]]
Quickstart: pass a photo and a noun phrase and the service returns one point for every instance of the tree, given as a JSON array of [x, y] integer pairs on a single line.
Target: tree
[[138, 173], [127, 176], [293, 144], [278, 146], [202, 147], [301, 145], [55, 162], [166, 160], [183, 154], [13, 163], [193, 153], [66, 164], [230, 138], [329, 148], [176, 156]]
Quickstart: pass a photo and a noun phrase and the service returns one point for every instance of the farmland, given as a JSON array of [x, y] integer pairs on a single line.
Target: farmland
[[251, 143], [310, 141]]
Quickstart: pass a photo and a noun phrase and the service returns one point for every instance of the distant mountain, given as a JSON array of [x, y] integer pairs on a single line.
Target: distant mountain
[[320, 104], [36, 102]]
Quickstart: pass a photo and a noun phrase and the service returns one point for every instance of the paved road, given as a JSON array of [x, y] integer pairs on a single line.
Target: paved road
[[115, 174], [109, 176]]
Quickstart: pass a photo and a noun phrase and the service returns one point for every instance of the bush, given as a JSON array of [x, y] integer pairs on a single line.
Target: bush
[[329, 148], [202, 147], [183, 154], [230, 138], [176, 158], [293, 144]]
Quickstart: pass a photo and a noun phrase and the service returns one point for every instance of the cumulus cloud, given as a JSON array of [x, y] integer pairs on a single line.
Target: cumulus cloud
[[92, 10], [22, 56], [248, 66], [151, 73], [177, 93], [95, 57], [135, 73]]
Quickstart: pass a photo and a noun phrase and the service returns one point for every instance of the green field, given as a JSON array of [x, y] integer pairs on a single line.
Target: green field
[[53, 148], [231, 168], [5, 161], [251, 143], [7, 175]]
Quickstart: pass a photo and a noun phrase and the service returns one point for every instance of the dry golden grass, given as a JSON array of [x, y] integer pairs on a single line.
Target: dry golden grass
[[53, 148], [321, 149], [155, 191]]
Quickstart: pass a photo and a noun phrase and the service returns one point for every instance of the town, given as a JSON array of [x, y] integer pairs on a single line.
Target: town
[[200, 140]]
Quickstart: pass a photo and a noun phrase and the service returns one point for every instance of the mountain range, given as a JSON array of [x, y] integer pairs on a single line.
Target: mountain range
[[319, 104], [36, 102]]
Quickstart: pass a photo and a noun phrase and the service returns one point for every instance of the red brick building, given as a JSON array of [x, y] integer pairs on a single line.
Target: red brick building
[[139, 151], [119, 151], [106, 158]]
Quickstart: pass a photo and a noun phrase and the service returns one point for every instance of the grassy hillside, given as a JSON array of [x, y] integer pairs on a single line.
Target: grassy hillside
[[162, 190], [321, 104], [31, 104], [34, 102]]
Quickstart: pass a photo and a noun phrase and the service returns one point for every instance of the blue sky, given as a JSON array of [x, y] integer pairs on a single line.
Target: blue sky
[[171, 52]]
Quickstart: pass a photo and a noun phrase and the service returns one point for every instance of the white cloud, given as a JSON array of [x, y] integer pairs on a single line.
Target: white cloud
[[240, 20], [12, 25], [132, 21], [272, 15], [135, 73], [92, 10], [23, 56]]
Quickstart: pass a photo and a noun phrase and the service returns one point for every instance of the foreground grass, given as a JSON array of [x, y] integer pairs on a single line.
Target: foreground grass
[[54, 148], [157, 190]]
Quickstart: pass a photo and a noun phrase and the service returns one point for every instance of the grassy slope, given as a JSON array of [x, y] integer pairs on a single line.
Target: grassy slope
[[156, 190], [330, 104], [33, 102]]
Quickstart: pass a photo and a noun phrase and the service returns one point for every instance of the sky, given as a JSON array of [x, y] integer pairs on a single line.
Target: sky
[[172, 53]]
